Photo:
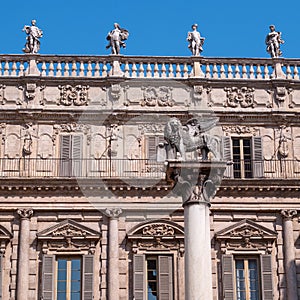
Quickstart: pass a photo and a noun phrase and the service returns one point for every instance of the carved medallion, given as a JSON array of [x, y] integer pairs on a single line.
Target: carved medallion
[[161, 96], [77, 95], [239, 97]]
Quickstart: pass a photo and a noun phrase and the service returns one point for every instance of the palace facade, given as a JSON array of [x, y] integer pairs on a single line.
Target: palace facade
[[87, 211]]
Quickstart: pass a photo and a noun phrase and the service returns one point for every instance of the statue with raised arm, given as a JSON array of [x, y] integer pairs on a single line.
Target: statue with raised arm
[[33, 38], [116, 38], [273, 41], [195, 41]]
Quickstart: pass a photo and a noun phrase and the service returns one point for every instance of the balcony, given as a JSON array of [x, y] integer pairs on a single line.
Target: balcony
[[141, 169]]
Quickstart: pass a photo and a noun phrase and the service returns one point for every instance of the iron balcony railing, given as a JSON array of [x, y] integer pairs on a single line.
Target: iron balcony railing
[[136, 168]]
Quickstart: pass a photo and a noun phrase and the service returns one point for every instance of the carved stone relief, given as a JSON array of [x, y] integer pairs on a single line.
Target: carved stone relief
[[151, 128], [30, 91], [157, 96], [239, 97], [77, 95], [115, 91], [2, 99], [240, 130], [283, 135]]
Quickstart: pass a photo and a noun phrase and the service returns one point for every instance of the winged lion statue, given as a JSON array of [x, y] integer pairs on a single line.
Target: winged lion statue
[[192, 136]]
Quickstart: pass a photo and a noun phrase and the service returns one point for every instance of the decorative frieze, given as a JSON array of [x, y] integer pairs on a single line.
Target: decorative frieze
[[151, 128], [157, 96], [77, 95], [158, 230], [239, 97], [240, 129]]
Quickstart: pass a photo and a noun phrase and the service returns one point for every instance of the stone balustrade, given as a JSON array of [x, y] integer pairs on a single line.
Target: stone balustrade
[[148, 67]]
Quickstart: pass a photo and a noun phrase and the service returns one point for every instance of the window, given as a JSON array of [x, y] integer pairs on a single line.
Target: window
[[68, 278], [246, 278], [70, 155], [153, 277], [246, 154]]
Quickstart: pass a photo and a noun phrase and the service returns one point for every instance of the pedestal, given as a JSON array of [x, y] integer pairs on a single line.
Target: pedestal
[[116, 69], [23, 257]]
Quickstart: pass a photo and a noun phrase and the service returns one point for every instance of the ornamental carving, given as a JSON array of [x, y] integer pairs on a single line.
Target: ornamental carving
[[113, 213], [289, 214], [68, 230], [151, 128], [115, 91], [198, 90], [161, 96], [284, 136], [30, 91], [2, 99], [240, 129], [239, 97], [25, 213], [72, 127], [158, 230], [77, 95]]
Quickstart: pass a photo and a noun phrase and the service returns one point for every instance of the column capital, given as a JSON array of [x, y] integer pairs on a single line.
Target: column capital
[[25, 213], [113, 213], [288, 214]]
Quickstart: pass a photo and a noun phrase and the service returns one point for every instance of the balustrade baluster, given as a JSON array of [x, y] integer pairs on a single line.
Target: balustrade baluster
[[171, 71], [244, 71], [296, 73], [141, 70], [58, 69], [185, 70], [51, 68], [89, 72], [237, 72], [207, 71], [66, 69], [229, 71], [266, 72], [251, 72], [222, 71], [104, 69], [21, 68], [288, 72], [156, 70], [178, 70], [14, 69], [215, 71], [74, 69], [163, 70], [258, 72], [134, 70], [97, 70], [44, 69], [149, 70], [1, 73], [6, 68], [81, 69], [126, 69]]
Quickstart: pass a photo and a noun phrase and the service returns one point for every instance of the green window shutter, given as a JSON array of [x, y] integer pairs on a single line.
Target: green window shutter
[[65, 155], [88, 275], [227, 277], [48, 277], [1, 267], [227, 155], [139, 277], [165, 278], [76, 155], [258, 166], [266, 277]]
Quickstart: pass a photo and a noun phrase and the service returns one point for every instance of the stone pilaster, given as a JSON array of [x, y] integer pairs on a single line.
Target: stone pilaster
[[113, 253], [23, 254], [289, 254]]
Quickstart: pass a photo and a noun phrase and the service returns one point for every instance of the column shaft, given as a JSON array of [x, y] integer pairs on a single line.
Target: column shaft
[[198, 277]]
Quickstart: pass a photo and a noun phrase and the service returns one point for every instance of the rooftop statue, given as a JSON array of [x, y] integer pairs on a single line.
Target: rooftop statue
[[192, 136], [116, 38], [195, 40], [273, 41], [33, 34]]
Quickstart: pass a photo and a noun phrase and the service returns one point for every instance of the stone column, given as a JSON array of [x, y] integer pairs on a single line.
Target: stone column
[[289, 254], [113, 253], [197, 251], [23, 255]]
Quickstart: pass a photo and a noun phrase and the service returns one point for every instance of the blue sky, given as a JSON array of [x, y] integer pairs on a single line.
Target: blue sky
[[159, 27]]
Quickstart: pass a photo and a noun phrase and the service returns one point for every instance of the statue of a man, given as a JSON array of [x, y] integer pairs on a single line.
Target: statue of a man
[[273, 41], [195, 40], [33, 35], [116, 38]]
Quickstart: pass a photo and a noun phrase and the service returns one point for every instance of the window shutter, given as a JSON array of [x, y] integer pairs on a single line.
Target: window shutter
[[151, 147], [76, 155], [165, 278], [48, 277], [266, 277], [1, 262], [88, 275], [65, 145], [139, 277], [228, 273], [258, 167], [227, 155]]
